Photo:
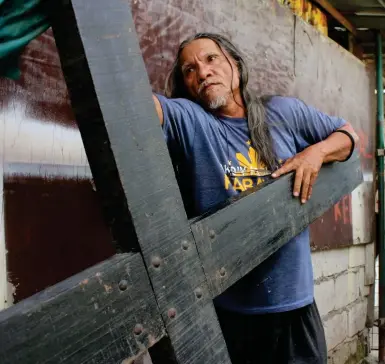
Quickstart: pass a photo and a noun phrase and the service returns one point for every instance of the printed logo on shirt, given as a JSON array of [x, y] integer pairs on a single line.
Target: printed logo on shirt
[[247, 174]]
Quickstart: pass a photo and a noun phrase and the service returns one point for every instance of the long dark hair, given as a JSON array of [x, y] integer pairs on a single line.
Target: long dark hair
[[255, 106]]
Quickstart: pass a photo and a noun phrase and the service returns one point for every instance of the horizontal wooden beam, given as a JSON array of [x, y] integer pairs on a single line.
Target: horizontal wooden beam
[[103, 315], [337, 15], [237, 238]]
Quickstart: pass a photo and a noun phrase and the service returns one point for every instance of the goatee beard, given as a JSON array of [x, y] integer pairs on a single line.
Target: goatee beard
[[218, 102]]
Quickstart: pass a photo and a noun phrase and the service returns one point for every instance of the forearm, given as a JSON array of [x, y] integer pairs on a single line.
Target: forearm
[[158, 109], [338, 145]]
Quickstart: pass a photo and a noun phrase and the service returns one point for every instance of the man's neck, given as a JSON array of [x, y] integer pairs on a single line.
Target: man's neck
[[233, 109]]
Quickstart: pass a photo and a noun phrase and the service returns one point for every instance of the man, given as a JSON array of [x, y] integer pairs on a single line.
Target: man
[[223, 140]]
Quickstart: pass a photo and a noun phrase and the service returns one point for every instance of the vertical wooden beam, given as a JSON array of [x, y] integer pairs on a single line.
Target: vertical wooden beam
[[112, 101]]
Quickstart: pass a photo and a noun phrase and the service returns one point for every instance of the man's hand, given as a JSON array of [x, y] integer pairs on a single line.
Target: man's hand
[[306, 165]]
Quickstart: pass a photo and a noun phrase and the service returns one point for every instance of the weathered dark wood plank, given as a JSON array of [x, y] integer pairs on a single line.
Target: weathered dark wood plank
[[103, 315], [234, 240], [130, 163]]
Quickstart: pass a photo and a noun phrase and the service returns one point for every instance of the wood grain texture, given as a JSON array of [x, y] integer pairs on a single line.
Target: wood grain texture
[[130, 163], [237, 238], [87, 318]]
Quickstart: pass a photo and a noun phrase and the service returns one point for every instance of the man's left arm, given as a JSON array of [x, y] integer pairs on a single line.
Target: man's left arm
[[307, 164]]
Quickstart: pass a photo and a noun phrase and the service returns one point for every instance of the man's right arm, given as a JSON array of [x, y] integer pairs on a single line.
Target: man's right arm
[[178, 118], [158, 108]]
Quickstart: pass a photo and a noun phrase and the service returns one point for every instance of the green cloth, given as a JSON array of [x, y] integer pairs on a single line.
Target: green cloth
[[20, 22]]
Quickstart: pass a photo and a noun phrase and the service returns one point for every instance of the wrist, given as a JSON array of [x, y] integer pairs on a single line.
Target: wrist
[[322, 149]]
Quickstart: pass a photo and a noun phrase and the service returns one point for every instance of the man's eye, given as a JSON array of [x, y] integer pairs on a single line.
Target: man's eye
[[211, 57]]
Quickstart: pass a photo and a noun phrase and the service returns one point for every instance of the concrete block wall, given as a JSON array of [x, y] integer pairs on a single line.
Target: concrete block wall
[[342, 280]]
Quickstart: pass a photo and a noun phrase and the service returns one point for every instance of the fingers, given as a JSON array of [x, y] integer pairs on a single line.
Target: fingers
[[310, 191], [308, 181], [304, 178], [286, 168], [312, 181], [298, 182], [305, 186]]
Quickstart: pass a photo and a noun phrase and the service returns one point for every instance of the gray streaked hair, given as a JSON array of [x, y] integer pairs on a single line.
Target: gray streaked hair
[[255, 106]]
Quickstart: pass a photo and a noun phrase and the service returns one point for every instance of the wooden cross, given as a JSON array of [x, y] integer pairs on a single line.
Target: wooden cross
[[158, 290]]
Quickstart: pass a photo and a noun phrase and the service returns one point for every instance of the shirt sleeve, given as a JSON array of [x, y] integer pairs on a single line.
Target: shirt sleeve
[[316, 125], [179, 122], [309, 123]]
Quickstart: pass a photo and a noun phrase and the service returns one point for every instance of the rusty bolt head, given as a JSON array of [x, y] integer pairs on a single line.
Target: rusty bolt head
[[185, 244], [171, 313], [123, 284], [222, 272], [156, 262], [138, 329], [198, 293], [212, 234]]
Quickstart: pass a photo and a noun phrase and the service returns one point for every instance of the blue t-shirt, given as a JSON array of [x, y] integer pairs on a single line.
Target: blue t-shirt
[[214, 161]]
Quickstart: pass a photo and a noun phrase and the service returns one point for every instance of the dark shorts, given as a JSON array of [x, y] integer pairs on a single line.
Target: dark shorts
[[293, 337]]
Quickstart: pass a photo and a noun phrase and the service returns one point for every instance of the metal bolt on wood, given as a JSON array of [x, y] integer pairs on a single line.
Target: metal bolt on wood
[[156, 262], [171, 313], [123, 284], [138, 329], [198, 293], [222, 272], [212, 234], [185, 244]]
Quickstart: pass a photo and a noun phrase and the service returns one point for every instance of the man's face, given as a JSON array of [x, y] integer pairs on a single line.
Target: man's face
[[208, 75]]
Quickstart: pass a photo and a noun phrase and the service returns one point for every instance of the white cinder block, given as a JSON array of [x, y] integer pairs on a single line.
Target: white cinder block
[[325, 296], [327, 263], [354, 288], [357, 255], [369, 264], [317, 260], [357, 318], [364, 290], [341, 353], [342, 294], [353, 346], [336, 329]]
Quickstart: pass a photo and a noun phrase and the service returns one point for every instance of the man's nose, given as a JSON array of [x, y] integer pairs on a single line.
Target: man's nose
[[204, 72]]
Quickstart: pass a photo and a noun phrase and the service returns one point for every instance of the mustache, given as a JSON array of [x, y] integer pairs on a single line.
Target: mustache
[[205, 84]]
